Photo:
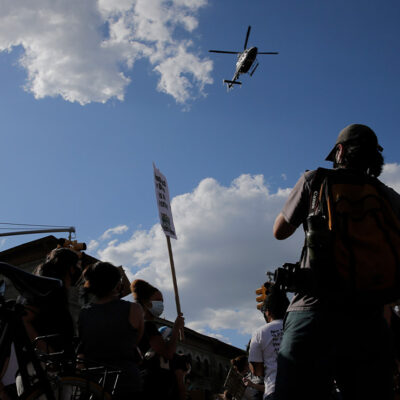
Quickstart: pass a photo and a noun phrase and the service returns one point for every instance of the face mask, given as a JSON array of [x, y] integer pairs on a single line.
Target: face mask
[[157, 308]]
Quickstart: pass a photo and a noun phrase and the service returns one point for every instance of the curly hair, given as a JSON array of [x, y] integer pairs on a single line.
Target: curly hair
[[276, 303], [57, 264], [142, 290]]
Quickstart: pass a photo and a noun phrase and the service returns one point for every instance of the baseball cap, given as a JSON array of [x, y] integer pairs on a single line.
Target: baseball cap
[[356, 133]]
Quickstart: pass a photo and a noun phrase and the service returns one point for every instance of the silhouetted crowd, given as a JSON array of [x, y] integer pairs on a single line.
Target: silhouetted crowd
[[107, 330]]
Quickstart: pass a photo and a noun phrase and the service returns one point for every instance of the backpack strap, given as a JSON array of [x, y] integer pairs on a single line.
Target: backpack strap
[[317, 188]]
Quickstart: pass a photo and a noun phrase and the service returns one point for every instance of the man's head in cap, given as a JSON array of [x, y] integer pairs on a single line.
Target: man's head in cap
[[357, 147]]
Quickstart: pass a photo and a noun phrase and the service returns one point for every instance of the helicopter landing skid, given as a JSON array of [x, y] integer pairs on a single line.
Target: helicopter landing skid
[[253, 70]]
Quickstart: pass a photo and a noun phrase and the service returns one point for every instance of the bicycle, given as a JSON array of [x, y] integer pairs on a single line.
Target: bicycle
[[62, 381], [76, 378]]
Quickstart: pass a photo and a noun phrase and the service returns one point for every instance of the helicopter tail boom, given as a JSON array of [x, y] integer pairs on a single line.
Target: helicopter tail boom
[[231, 83]]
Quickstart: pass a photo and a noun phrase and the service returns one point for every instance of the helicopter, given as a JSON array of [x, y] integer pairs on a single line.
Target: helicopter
[[246, 61]]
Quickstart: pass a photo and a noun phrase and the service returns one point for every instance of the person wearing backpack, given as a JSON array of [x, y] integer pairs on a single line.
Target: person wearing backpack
[[334, 332]]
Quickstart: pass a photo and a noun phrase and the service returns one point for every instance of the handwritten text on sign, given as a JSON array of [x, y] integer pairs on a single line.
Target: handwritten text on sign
[[163, 203]]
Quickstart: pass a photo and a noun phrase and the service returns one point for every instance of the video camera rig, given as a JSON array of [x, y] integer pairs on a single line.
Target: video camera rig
[[288, 277]]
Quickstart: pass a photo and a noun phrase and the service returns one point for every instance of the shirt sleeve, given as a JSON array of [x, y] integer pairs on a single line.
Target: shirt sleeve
[[255, 351], [295, 210]]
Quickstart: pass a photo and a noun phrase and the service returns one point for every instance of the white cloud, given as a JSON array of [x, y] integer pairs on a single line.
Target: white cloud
[[3, 242], [93, 245], [243, 320], [118, 230], [224, 248], [176, 71], [77, 49], [218, 336], [391, 176]]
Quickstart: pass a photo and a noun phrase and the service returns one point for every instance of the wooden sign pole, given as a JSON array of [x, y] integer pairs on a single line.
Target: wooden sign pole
[[171, 260], [177, 301]]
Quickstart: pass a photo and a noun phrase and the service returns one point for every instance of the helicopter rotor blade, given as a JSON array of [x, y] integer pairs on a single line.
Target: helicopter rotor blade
[[247, 37], [267, 52], [223, 51]]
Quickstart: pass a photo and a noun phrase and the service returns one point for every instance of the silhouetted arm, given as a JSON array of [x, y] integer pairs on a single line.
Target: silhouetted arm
[[282, 229]]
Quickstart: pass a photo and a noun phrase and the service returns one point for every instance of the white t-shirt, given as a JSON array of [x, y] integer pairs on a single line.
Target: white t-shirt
[[264, 347]]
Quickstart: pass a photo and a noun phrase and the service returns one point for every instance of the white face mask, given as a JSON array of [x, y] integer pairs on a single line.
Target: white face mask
[[157, 308]]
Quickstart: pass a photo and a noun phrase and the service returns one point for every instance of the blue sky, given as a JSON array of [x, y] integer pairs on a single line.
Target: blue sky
[[93, 92]]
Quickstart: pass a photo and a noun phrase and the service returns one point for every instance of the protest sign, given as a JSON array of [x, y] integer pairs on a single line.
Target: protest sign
[[163, 203], [167, 224]]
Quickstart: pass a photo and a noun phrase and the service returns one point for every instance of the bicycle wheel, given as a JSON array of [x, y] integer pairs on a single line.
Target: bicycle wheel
[[78, 388], [34, 394]]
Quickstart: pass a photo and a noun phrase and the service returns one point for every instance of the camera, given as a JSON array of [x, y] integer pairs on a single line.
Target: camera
[[72, 244], [289, 277], [318, 240]]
